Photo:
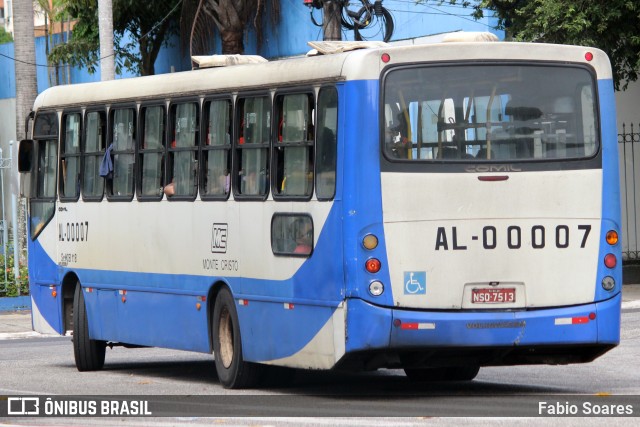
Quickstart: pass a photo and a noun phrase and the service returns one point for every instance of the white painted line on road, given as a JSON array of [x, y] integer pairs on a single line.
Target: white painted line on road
[[21, 335], [630, 304]]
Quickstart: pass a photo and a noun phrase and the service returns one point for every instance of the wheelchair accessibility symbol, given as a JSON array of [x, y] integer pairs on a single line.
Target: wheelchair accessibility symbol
[[415, 282]]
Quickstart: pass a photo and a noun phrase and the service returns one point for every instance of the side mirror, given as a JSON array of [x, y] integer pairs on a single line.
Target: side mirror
[[25, 155]]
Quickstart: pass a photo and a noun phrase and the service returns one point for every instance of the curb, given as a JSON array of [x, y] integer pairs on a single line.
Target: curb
[[15, 303]]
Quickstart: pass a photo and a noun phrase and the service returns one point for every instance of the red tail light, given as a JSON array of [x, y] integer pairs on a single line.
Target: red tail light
[[373, 265], [610, 260]]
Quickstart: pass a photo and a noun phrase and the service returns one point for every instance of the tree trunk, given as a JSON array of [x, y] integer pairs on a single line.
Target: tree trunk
[[148, 59], [105, 27], [25, 64], [68, 68], [232, 42]]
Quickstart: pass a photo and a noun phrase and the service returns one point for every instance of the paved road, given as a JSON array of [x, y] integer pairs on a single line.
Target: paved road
[[44, 366]]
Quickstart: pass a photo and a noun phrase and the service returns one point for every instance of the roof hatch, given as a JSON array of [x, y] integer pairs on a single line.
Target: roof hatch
[[211, 61]]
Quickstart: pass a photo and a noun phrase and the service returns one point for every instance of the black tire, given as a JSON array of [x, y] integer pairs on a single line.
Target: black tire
[[88, 353], [233, 371], [425, 374], [462, 373]]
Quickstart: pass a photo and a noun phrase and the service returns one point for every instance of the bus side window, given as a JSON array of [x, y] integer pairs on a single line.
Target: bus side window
[[216, 150], [292, 234], [93, 152], [151, 152], [326, 143], [294, 146], [182, 172], [43, 204], [252, 147], [70, 157], [123, 139]]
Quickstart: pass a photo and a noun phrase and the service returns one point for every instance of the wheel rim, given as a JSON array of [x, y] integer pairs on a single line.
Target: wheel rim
[[225, 337]]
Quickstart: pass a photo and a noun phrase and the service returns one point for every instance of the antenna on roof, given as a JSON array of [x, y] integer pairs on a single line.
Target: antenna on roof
[[330, 47]]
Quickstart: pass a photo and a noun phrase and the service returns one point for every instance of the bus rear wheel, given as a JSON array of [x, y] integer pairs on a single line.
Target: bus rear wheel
[[89, 354], [233, 371], [425, 374], [462, 373]]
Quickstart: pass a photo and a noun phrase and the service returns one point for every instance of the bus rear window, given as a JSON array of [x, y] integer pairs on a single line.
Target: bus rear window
[[476, 113]]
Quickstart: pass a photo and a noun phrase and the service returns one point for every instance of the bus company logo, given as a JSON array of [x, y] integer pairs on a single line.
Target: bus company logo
[[219, 238], [492, 168], [23, 406]]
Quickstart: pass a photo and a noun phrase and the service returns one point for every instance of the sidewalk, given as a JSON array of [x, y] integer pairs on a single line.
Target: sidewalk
[[631, 296], [17, 324]]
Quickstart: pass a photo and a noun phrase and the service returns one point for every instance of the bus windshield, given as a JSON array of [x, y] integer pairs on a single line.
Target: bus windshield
[[489, 112]]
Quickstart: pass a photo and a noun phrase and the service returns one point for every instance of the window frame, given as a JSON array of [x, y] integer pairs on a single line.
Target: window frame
[[316, 144], [53, 136], [390, 163], [109, 182], [277, 112], [238, 148], [206, 148], [62, 154], [140, 151], [293, 216], [169, 150], [98, 154]]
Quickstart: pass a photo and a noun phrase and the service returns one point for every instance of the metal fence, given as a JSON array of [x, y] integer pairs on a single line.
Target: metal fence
[[629, 150], [9, 242]]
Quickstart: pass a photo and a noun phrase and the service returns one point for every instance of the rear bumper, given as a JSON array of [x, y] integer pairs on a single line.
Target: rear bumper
[[377, 328]]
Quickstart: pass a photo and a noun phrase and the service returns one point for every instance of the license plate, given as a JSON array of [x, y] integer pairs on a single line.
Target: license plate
[[493, 295]]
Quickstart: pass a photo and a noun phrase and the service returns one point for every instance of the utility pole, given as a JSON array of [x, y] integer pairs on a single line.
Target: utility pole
[[105, 29], [331, 26]]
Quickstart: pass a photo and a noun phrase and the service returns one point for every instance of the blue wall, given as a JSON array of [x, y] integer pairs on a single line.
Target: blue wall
[[411, 21], [288, 38], [7, 72]]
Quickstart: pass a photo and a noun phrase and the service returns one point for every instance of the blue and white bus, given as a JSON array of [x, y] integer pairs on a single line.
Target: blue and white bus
[[433, 208]]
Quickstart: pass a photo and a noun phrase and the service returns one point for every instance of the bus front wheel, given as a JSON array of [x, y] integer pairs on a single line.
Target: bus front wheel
[[233, 371], [88, 353]]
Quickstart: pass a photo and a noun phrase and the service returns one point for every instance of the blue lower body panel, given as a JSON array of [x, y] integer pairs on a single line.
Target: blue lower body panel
[[148, 318], [569, 325], [47, 304], [554, 334]]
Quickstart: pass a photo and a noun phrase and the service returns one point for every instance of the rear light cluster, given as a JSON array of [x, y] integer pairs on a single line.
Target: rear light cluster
[[610, 261], [373, 265]]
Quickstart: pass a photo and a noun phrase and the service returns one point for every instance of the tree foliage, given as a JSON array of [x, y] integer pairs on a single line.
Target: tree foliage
[[4, 36], [13, 286], [611, 25], [232, 19], [149, 24]]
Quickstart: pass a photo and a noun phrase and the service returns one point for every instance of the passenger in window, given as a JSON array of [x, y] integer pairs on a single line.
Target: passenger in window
[[226, 178], [304, 237], [222, 184], [249, 183], [170, 189], [397, 137]]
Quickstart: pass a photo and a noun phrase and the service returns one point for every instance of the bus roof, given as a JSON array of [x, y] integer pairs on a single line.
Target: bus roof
[[362, 64]]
